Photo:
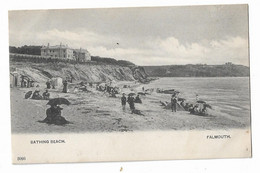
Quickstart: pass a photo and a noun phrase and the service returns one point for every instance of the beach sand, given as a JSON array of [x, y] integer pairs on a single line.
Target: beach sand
[[95, 111]]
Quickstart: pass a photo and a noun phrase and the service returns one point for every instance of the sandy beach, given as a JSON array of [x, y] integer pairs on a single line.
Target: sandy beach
[[95, 111]]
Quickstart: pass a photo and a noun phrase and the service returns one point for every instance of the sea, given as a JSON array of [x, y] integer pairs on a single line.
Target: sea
[[228, 96]]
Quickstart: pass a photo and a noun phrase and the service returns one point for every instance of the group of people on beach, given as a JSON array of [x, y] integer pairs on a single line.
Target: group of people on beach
[[131, 100], [53, 114], [37, 96], [200, 108], [45, 95], [50, 84], [112, 91], [26, 82]]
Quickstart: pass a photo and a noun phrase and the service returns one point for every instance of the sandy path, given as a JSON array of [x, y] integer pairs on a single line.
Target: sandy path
[[96, 112]]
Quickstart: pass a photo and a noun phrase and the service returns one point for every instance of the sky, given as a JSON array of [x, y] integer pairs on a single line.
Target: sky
[[145, 36]]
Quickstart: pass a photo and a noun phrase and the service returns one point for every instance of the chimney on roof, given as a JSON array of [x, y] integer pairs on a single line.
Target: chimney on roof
[[48, 45], [60, 44]]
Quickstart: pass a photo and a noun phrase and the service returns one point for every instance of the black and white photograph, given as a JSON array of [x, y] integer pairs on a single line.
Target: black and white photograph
[[180, 69]]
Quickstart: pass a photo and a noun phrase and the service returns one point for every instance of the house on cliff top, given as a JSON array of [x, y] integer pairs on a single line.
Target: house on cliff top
[[65, 52]]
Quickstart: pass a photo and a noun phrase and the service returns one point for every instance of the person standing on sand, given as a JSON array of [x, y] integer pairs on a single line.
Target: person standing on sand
[[123, 101], [48, 84], [65, 86], [53, 85], [174, 103], [131, 103]]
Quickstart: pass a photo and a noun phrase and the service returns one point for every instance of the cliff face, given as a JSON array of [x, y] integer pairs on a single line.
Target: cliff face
[[140, 74], [41, 72]]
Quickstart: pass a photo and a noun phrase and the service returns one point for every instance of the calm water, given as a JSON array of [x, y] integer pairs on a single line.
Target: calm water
[[227, 95]]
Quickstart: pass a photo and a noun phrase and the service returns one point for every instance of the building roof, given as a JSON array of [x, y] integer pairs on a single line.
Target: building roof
[[56, 47], [81, 50]]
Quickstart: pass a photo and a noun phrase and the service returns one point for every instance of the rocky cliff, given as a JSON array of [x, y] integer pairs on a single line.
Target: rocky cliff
[[41, 72]]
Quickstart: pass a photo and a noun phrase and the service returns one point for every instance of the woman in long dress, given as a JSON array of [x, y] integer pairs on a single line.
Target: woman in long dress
[[54, 116]]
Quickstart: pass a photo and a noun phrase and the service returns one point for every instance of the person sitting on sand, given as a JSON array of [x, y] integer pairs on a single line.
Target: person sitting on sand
[[83, 88], [182, 104], [113, 93], [190, 107], [137, 99], [195, 110], [46, 95], [36, 95], [204, 110], [163, 103], [54, 116], [186, 107]]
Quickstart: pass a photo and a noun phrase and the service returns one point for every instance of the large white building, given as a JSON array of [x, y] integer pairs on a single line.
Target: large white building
[[58, 51], [65, 52]]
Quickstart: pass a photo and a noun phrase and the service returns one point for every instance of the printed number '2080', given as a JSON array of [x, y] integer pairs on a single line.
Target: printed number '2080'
[[21, 158]]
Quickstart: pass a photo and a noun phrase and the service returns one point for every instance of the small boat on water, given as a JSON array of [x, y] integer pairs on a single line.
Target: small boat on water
[[169, 91]]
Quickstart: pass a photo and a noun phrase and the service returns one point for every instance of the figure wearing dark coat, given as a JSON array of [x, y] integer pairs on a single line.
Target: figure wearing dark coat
[[174, 104], [48, 85], [123, 101], [46, 95], [36, 95], [65, 86], [131, 103], [54, 116], [137, 99]]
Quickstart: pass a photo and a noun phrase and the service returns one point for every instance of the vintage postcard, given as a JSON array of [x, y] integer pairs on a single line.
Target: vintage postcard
[[128, 84]]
